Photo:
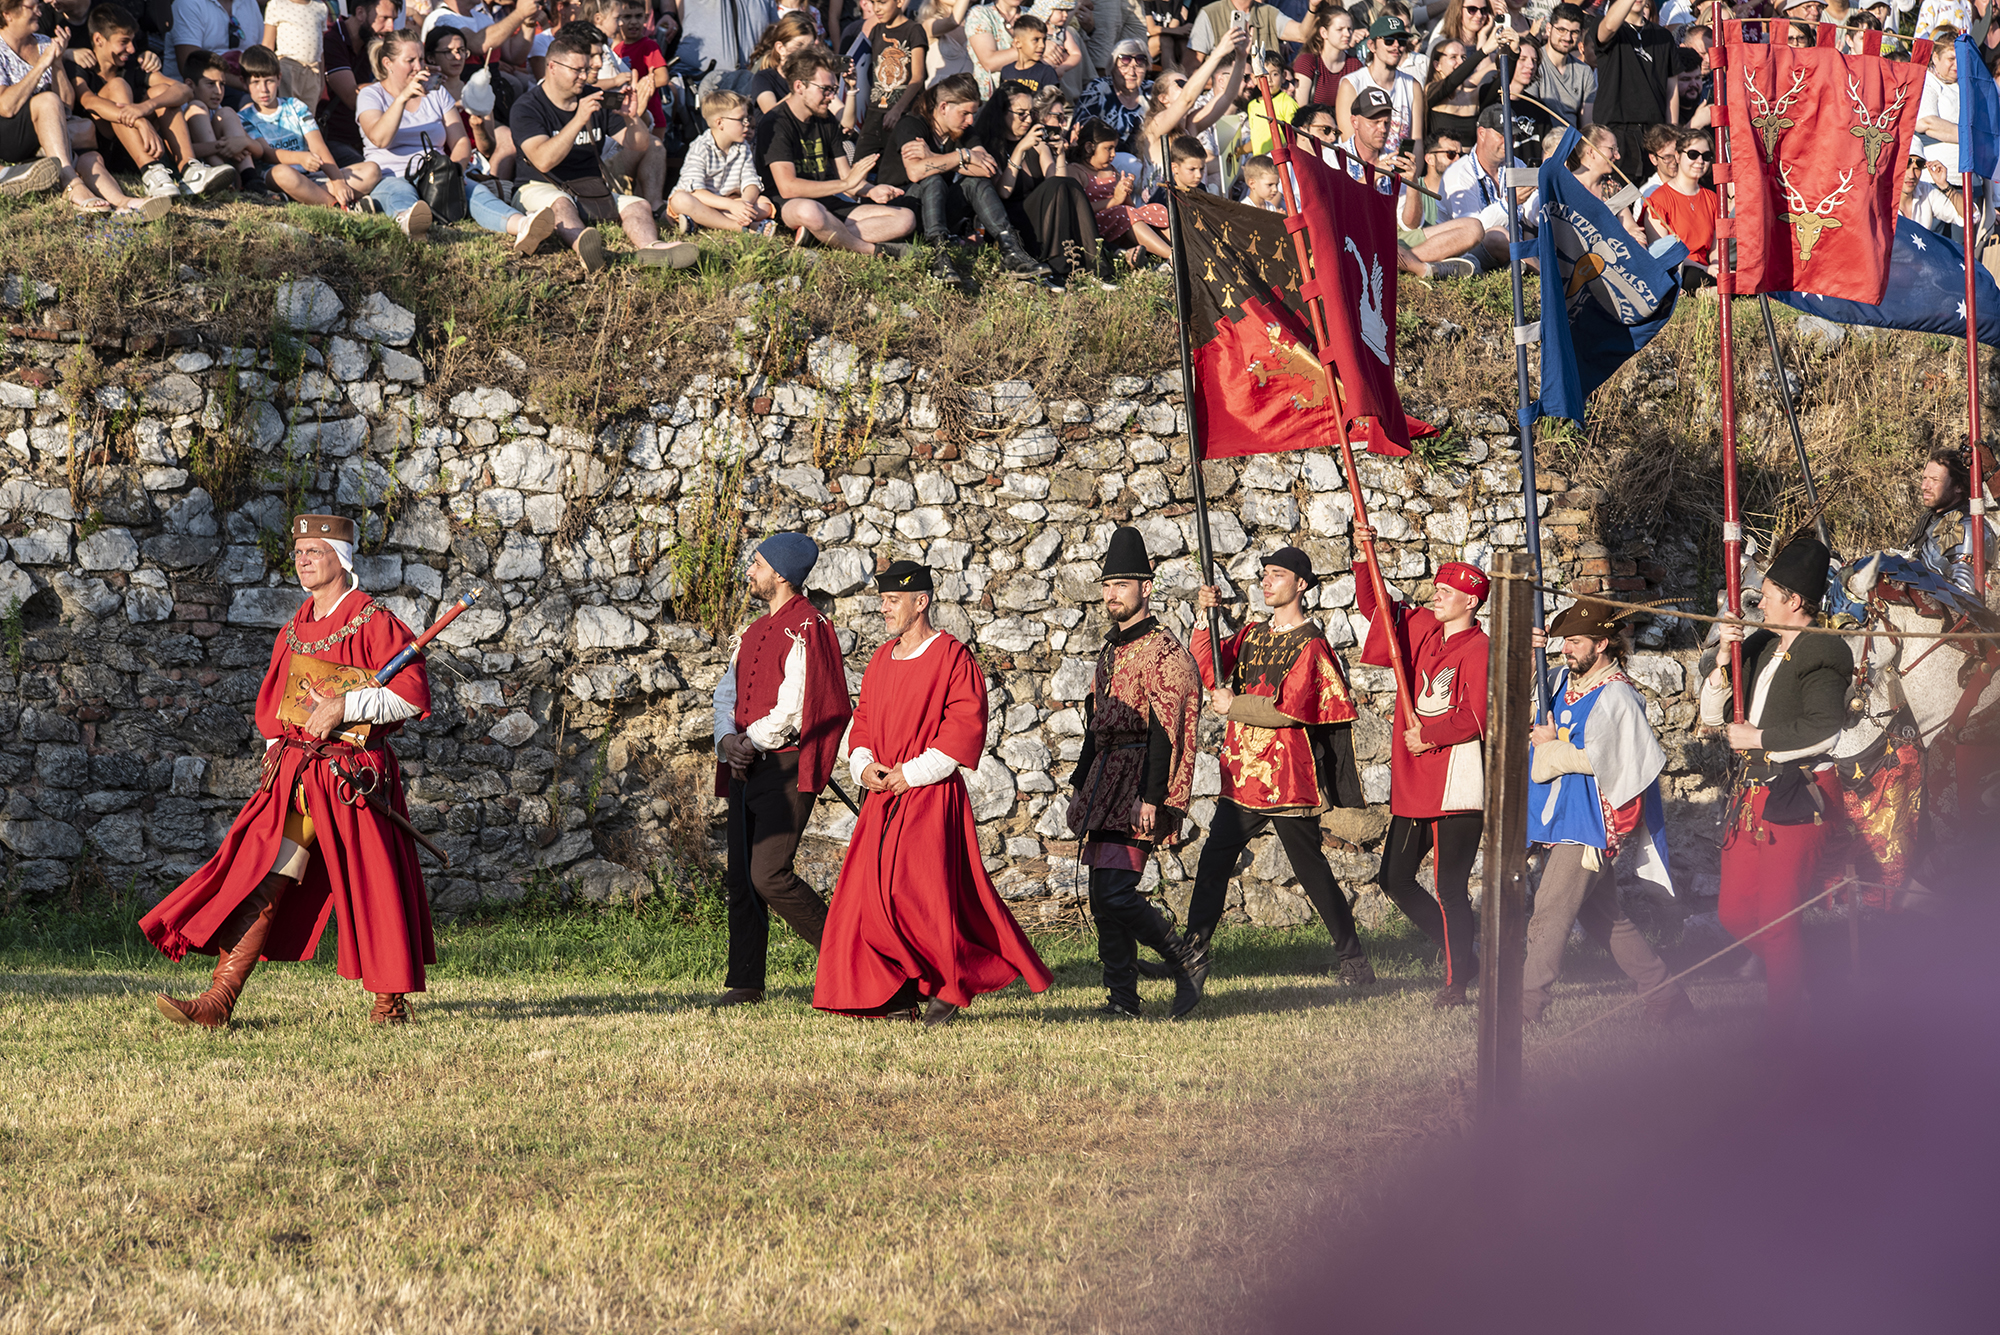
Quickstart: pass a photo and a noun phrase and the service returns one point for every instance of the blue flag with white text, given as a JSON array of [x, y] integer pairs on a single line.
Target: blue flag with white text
[[1978, 114], [1604, 295], [1925, 295]]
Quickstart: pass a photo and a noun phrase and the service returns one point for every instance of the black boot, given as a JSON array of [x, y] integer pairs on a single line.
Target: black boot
[[1186, 960], [1017, 258], [1155, 969]]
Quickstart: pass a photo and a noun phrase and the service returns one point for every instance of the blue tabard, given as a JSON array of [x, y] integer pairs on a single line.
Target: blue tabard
[[1567, 810]]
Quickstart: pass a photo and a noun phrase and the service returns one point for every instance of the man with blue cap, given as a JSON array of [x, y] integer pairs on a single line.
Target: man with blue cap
[[780, 711]]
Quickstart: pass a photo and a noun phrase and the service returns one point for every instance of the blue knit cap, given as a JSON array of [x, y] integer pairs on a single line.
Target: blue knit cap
[[792, 555]]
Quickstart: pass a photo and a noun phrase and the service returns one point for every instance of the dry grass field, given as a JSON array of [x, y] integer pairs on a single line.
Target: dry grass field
[[570, 1138]]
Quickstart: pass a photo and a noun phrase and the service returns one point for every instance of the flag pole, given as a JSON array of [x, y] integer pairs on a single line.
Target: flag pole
[[1977, 502], [1184, 303], [1526, 410], [1725, 282], [1792, 417], [1295, 223]]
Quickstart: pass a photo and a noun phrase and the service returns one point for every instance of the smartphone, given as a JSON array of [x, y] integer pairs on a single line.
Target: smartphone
[[1238, 19]]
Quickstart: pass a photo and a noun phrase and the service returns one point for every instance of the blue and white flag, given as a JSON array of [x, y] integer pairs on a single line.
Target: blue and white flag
[[1978, 114], [1604, 295], [1926, 292]]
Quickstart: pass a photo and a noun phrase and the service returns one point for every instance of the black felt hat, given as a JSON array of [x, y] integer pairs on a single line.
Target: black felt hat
[[1801, 567], [1126, 557], [1296, 561], [904, 577]]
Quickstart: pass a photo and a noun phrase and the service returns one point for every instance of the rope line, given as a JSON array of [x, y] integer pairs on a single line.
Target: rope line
[[1851, 632]]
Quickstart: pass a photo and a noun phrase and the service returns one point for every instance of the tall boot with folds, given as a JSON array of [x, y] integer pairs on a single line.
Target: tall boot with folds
[[992, 215], [240, 943]]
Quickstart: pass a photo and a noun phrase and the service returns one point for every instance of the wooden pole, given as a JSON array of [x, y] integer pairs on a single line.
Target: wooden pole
[[1503, 921], [1792, 417], [1526, 408], [1203, 546], [1725, 282], [1295, 223]]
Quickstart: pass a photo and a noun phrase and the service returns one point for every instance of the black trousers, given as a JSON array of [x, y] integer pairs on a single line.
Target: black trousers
[[1126, 920], [767, 816], [945, 201], [1233, 828], [1447, 919]]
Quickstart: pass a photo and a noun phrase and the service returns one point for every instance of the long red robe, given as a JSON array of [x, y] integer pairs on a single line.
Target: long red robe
[[363, 870], [913, 901]]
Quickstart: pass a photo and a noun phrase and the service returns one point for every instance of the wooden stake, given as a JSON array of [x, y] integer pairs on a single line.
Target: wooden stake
[[1503, 922]]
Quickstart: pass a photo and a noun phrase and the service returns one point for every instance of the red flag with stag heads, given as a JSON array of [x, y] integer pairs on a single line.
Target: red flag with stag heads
[[1817, 141]]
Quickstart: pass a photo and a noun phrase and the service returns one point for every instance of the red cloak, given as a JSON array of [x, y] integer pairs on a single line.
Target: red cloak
[[913, 901], [363, 869]]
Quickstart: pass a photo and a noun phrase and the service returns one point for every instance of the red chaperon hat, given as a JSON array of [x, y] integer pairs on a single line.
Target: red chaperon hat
[[1465, 578]]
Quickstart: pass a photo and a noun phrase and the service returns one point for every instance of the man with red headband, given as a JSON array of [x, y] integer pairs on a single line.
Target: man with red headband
[[1437, 788], [312, 839]]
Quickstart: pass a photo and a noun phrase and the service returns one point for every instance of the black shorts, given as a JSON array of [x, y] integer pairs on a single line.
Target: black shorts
[[256, 178], [18, 140]]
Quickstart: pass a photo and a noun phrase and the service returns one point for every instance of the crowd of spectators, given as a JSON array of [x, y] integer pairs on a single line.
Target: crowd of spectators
[[1046, 129]]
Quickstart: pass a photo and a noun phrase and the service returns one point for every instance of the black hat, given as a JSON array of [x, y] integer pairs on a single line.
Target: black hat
[[1126, 557], [1371, 104], [1492, 119], [1296, 561], [1801, 567], [905, 577]]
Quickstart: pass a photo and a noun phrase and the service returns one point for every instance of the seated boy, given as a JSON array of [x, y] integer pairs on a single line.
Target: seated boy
[[286, 146], [1260, 184], [214, 131], [140, 135], [719, 187]]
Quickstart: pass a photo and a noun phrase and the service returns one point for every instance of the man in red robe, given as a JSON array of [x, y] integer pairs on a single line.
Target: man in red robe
[[1287, 756], [1437, 775], [1134, 778], [913, 914], [309, 842], [780, 709]]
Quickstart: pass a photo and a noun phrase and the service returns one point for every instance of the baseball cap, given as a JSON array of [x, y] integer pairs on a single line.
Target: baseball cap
[[1389, 25], [1372, 104]]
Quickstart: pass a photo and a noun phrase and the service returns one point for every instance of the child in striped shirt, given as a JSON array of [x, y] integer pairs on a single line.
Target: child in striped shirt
[[719, 186]]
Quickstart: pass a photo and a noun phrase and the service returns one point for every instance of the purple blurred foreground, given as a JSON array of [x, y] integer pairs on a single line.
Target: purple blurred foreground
[[1846, 1181]]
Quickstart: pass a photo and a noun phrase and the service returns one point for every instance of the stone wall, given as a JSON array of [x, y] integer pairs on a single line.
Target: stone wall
[[571, 731]]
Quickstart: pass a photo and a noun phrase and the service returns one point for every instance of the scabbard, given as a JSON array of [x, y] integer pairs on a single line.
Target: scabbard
[[404, 825]]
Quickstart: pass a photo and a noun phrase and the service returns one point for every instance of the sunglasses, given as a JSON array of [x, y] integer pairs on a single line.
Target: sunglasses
[[1698, 154]]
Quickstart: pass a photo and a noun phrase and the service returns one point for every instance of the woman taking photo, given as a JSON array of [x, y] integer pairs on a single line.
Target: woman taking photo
[[1049, 210], [397, 115], [951, 179]]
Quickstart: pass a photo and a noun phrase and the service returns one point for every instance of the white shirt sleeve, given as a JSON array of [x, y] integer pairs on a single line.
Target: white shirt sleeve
[[933, 766], [725, 697], [378, 704], [782, 726], [858, 760], [1713, 698]]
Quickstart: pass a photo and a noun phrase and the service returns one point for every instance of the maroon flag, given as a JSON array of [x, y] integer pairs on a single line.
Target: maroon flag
[[1354, 276], [1817, 143], [1259, 386]]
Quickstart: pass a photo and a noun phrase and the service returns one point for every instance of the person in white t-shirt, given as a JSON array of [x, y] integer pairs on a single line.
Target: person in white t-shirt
[[296, 31], [1937, 111], [220, 26], [1389, 41]]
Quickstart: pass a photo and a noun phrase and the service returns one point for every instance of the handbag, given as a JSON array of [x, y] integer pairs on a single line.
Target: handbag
[[439, 181], [597, 196]]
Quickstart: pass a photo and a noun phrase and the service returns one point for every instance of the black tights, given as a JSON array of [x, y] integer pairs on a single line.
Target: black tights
[[1447, 919]]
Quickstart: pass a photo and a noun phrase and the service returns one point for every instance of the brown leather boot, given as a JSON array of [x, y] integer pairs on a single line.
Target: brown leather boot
[[390, 1008], [240, 943]]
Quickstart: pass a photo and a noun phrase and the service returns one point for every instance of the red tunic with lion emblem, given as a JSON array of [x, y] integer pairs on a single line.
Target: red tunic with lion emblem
[[1273, 768], [1449, 678]]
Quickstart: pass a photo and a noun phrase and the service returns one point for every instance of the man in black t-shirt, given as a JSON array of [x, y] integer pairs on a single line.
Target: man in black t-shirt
[[562, 131], [1636, 62], [805, 168], [896, 47]]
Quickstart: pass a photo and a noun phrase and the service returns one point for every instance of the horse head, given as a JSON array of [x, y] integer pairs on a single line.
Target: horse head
[[1861, 583]]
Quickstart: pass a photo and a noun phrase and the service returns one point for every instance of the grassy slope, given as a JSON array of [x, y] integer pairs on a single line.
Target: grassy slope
[[568, 1137]]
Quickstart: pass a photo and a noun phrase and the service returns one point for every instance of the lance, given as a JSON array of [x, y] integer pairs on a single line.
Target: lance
[[1295, 223], [1792, 417], [1725, 282], [1970, 227], [1528, 409]]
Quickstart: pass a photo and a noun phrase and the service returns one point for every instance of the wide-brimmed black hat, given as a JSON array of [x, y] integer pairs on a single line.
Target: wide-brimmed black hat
[[1801, 567], [1126, 557], [905, 577]]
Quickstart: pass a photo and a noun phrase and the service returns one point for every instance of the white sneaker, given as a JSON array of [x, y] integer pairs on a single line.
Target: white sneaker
[[199, 178], [159, 181], [415, 220]]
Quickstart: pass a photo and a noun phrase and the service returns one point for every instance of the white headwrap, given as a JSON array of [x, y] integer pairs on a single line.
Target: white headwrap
[[344, 553]]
